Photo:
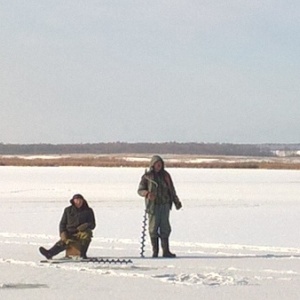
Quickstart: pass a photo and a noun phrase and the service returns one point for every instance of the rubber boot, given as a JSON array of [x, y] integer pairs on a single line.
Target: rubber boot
[[83, 250], [57, 248], [155, 247], [166, 250]]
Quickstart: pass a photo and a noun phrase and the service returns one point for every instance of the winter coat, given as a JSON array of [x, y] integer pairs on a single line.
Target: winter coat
[[154, 183], [73, 217]]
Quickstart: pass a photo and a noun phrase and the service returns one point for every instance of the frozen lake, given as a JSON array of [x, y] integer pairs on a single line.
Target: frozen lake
[[258, 207], [226, 213]]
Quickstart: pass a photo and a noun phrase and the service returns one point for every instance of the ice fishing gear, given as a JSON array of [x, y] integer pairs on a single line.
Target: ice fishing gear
[[100, 260], [144, 225], [108, 260], [149, 203], [143, 237]]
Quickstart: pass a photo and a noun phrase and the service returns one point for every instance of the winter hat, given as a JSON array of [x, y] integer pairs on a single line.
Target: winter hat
[[77, 196]]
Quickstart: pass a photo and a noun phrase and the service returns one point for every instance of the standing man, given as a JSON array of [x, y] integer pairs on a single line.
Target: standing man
[[157, 187], [75, 227]]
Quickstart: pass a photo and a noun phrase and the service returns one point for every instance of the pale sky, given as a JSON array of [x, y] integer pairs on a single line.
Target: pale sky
[[149, 71]]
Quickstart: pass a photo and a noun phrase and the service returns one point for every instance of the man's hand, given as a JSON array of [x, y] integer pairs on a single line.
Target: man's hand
[[178, 205], [151, 196]]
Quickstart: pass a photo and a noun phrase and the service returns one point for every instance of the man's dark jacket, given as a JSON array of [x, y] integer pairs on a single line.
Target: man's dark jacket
[[73, 217]]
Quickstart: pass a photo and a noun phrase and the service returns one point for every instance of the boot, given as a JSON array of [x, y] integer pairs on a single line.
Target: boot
[[83, 250], [57, 248], [155, 247], [45, 252], [166, 250]]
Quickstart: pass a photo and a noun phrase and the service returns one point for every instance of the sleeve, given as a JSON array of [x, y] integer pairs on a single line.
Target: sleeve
[[63, 222], [92, 222], [175, 198], [143, 187], [170, 183]]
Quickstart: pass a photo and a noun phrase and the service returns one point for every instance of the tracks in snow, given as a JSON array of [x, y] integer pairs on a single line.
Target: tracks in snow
[[183, 249], [198, 264]]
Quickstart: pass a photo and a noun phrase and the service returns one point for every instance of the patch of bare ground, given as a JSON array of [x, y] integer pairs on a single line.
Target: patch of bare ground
[[172, 161]]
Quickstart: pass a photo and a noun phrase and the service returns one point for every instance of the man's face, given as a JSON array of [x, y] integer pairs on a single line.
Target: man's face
[[78, 202], [157, 166]]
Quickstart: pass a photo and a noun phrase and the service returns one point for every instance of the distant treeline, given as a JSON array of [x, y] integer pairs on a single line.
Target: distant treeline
[[159, 148]]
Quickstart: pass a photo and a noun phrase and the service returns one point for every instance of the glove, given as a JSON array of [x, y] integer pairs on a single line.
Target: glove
[[83, 227], [83, 235], [178, 205]]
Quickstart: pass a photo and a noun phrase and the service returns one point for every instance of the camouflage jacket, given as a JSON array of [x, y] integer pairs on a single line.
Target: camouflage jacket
[[149, 183]]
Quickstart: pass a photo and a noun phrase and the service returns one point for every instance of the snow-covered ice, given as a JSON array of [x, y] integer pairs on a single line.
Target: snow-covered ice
[[237, 236]]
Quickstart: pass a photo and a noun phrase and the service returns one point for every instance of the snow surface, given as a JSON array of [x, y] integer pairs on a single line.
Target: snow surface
[[237, 236]]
